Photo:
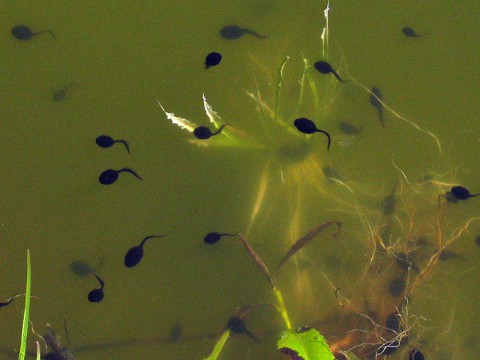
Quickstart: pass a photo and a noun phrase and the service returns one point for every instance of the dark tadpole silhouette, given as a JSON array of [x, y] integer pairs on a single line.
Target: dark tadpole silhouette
[[96, 295], [237, 326], [176, 333], [214, 237], [404, 261], [477, 240], [23, 32], [415, 354], [106, 141], [60, 94], [109, 176], [349, 129], [461, 193], [325, 68], [376, 99], [8, 302], [135, 254], [393, 322], [389, 202], [409, 32], [81, 268], [397, 287], [204, 133], [212, 59], [307, 126], [233, 32]]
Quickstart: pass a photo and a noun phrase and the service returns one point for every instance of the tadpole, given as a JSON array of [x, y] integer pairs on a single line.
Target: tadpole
[[24, 33], [135, 254], [389, 202], [212, 59], [393, 323], [233, 32], [8, 302], [109, 176], [325, 68], [415, 354], [81, 268], [214, 237], [376, 99], [405, 262], [96, 295], [397, 287], [408, 31], [349, 129], [307, 126], [461, 193], [477, 240], [204, 133], [237, 326], [176, 332], [60, 94], [106, 141]]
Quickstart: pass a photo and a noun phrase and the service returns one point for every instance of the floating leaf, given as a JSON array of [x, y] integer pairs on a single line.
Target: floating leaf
[[183, 123], [304, 343]]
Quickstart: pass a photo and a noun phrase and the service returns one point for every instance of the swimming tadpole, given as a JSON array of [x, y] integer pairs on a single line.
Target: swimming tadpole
[[212, 59], [109, 176], [237, 326], [349, 129], [409, 32], [325, 68], [214, 237], [204, 133], [376, 98], [307, 126], [105, 141], [82, 269], [61, 93], [389, 202], [135, 254], [96, 295], [461, 193], [233, 32], [24, 33], [415, 354]]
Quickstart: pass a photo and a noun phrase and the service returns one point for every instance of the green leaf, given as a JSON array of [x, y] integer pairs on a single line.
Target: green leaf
[[26, 312], [304, 343]]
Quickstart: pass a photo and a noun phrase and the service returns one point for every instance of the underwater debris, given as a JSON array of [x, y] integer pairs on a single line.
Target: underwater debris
[[53, 342]]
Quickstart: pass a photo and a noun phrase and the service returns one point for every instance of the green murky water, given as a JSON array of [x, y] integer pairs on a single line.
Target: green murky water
[[273, 189]]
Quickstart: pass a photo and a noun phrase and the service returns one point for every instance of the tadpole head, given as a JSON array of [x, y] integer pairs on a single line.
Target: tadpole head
[[202, 133]]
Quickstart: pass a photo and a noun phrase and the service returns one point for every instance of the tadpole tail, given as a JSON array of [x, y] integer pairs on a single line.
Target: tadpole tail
[[47, 31], [219, 130], [338, 77], [131, 172], [151, 236], [124, 143], [328, 136], [380, 116], [102, 284], [256, 34]]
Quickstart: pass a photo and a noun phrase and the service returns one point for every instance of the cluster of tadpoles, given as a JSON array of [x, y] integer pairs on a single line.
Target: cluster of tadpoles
[[109, 176]]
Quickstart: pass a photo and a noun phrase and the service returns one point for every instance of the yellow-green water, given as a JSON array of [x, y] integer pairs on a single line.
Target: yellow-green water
[[124, 57]]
